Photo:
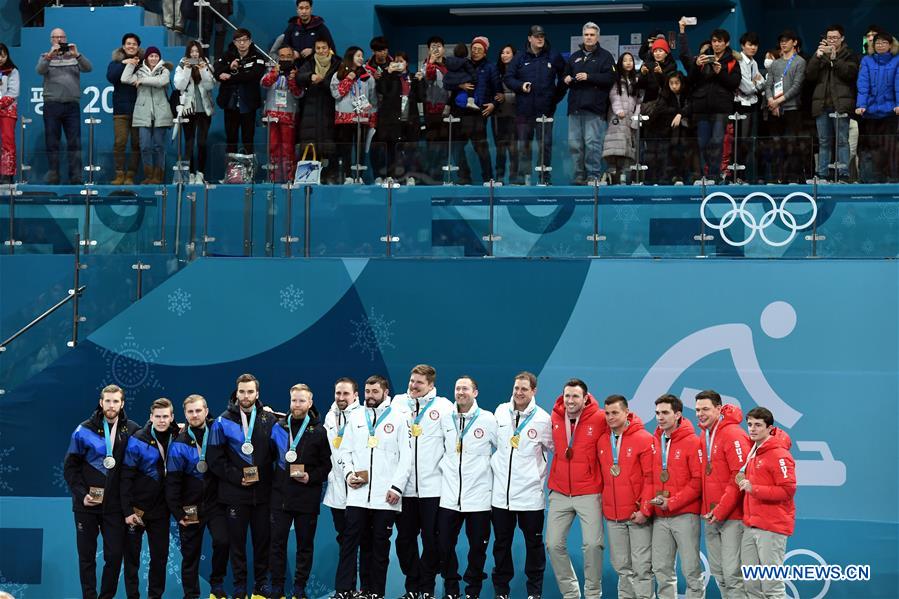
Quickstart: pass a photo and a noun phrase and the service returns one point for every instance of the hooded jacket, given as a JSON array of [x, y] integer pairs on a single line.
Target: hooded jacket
[[388, 463], [592, 95], [622, 495], [833, 80], [878, 85], [184, 484], [184, 83], [772, 472], [83, 465], [313, 452], [427, 449], [227, 461], [123, 95], [301, 36], [684, 484], [545, 72], [578, 475], [335, 426], [467, 480], [241, 91], [730, 448], [713, 93], [520, 473], [152, 107], [143, 472]]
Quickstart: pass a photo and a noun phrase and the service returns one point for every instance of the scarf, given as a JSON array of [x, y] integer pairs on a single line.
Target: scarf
[[322, 65]]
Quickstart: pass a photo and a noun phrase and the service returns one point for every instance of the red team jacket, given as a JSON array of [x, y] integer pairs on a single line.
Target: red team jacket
[[625, 493], [729, 452], [684, 484], [772, 472], [580, 474]]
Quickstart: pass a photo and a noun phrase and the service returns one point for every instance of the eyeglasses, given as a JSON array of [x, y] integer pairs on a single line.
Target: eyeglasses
[[242, 40]]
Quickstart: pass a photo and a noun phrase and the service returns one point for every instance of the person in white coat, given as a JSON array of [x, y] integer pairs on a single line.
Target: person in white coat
[[376, 460], [195, 82], [520, 469], [424, 410], [152, 114], [469, 435]]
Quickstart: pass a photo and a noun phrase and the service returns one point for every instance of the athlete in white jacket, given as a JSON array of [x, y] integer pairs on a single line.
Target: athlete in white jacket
[[469, 440], [520, 469], [376, 462], [424, 410]]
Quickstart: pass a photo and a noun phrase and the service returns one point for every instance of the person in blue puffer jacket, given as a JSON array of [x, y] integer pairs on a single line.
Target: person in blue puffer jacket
[[536, 78], [878, 106]]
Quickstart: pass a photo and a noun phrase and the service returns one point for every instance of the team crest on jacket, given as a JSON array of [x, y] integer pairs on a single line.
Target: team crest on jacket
[[532, 433], [677, 454], [590, 427], [388, 428], [478, 433], [629, 449], [434, 415]]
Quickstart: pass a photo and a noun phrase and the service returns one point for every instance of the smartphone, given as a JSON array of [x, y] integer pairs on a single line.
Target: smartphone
[[193, 61], [63, 47], [285, 65], [689, 20], [395, 66]]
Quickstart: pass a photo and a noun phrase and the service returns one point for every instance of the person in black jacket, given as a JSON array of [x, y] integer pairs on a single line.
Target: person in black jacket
[[92, 470], [239, 70], [589, 74], [124, 96], [143, 498], [672, 132], [302, 465], [240, 457], [304, 30], [398, 120], [653, 81], [315, 120], [189, 486]]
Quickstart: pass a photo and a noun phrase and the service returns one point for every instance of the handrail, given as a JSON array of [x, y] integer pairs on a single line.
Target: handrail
[[201, 3], [47, 313]]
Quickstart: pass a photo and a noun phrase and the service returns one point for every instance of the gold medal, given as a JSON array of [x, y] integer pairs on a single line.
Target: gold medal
[[372, 442], [664, 475], [416, 430], [740, 477], [515, 440], [337, 441], [458, 446], [615, 469]]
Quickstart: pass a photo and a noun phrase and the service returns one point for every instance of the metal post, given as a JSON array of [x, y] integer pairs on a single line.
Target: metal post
[[74, 291], [207, 239], [814, 237], [12, 242], [270, 222], [543, 169], [164, 194], [87, 242], [307, 222], [449, 169], [91, 168], [140, 267], [288, 238], [180, 168], [200, 4], [269, 166], [490, 237], [596, 237], [23, 168], [248, 221], [192, 227], [702, 237], [735, 167], [358, 167], [836, 165], [638, 167], [178, 200], [389, 238]]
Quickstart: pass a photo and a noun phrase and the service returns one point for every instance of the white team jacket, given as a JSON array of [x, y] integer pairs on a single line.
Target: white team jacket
[[388, 463], [467, 476], [335, 495], [519, 475], [427, 449]]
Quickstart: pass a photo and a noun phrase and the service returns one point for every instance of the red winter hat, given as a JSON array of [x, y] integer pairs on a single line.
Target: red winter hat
[[661, 43], [481, 40]]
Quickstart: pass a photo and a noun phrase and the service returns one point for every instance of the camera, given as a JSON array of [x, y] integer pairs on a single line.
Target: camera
[[63, 47], [285, 66], [193, 62], [395, 66]]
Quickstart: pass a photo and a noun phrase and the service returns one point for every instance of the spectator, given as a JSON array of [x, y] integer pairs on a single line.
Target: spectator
[[460, 78], [172, 17], [504, 119], [61, 68], [645, 51], [536, 77], [316, 114], [123, 98], [589, 74], [619, 148], [833, 71], [673, 110], [783, 85], [380, 56], [435, 99], [193, 78], [281, 103], [152, 113], [239, 70], [353, 89], [652, 80], [9, 94], [304, 29], [878, 106], [211, 22], [32, 12], [714, 78], [398, 127], [746, 100]]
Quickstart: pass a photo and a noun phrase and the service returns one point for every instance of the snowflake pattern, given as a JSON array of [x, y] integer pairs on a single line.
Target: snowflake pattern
[[868, 246], [59, 479], [172, 567], [130, 366], [372, 334], [17, 590], [6, 468], [316, 588], [849, 220], [561, 250], [292, 299], [626, 215], [889, 213], [179, 302]]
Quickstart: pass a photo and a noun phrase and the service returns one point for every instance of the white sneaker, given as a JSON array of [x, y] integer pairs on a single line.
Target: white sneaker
[[379, 181], [471, 104], [349, 181], [198, 178], [410, 181], [191, 178]]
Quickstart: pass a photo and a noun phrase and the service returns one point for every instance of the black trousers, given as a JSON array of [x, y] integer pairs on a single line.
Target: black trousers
[[256, 517], [418, 518], [112, 527], [192, 547], [477, 529], [786, 131], [243, 124], [358, 522], [504, 137], [473, 129], [531, 525], [196, 128], [339, 517], [158, 539], [304, 526]]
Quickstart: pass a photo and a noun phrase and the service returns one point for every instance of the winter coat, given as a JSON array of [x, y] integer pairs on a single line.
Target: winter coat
[[487, 82], [878, 85], [620, 136], [9, 93], [624, 493], [592, 95], [241, 91], [300, 36], [666, 108], [545, 72], [713, 93], [792, 81], [390, 89], [123, 95], [313, 452], [184, 82], [579, 474], [346, 92], [730, 448], [833, 79], [684, 484], [316, 112], [427, 448], [505, 109], [458, 72], [273, 82], [336, 423], [654, 84], [184, 484], [772, 472], [143, 473], [520, 473], [466, 477], [152, 106]]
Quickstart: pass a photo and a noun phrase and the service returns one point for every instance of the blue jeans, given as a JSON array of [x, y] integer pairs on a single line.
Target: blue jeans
[[586, 134], [710, 132], [152, 145], [59, 118], [528, 129], [825, 126]]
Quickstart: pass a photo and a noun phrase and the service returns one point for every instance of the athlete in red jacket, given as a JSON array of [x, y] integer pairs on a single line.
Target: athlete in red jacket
[[574, 485], [724, 447], [677, 488], [625, 458], [769, 513]]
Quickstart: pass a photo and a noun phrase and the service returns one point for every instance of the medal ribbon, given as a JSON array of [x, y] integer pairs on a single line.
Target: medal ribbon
[[666, 444], [524, 422], [710, 440], [248, 430], [200, 450], [294, 441], [751, 455], [159, 446], [465, 430], [381, 418], [342, 428], [616, 445], [422, 411], [570, 430], [108, 436]]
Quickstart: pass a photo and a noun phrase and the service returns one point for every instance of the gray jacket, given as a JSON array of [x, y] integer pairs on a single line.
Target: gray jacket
[[152, 106], [62, 76], [792, 81], [620, 140]]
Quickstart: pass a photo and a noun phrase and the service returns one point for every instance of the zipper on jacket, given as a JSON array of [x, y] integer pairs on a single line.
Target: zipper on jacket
[[371, 459], [509, 478], [416, 452], [461, 425]]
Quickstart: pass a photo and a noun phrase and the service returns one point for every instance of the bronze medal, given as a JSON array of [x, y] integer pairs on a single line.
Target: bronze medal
[[708, 468], [664, 476], [568, 453], [615, 470], [740, 477]]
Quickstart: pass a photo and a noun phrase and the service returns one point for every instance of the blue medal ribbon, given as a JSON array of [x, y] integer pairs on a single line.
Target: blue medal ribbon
[[248, 432], [294, 441], [373, 425], [205, 439], [422, 411], [107, 438], [524, 422], [465, 430]]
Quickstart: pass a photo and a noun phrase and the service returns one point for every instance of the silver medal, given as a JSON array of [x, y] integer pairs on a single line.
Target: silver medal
[[247, 448], [109, 462], [202, 467], [290, 456]]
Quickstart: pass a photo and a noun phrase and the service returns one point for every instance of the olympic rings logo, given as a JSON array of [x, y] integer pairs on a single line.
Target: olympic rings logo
[[749, 221]]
